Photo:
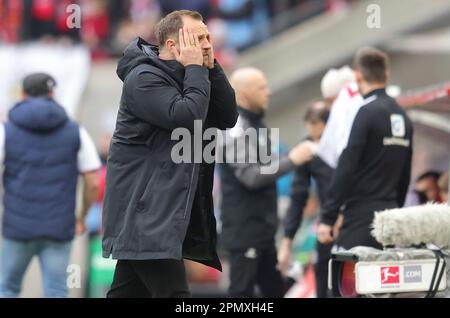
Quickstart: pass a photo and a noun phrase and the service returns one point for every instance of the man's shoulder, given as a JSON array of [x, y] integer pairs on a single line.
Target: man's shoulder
[[368, 108], [374, 104], [145, 70]]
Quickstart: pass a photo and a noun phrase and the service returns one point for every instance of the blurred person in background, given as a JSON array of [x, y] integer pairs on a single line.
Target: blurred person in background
[[427, 187], [443, 186], [340, 91], [316, 118], [47, 20], [249, 198], [248, 18], [11, 15], [96, 27], [201, 6], [43, 153], [100, 274], [141, 19], [334, 81], [374, 169], [157, 212], [94, 216]]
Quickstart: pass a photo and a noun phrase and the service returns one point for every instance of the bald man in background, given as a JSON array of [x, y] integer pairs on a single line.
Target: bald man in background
[[249, 202]]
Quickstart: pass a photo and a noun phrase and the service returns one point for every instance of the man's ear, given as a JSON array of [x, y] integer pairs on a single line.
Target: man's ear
[[170, 43], [358, 76]]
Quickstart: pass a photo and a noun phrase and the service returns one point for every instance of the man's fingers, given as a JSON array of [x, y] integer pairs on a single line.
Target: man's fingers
[[189, 38], [325, 236], [209, 38], [283, 267], [186, 37], [329, 238], [196, 41], [175, 52], [211, 56], [324, 239], [189, 41], [321, 239], [181, 38]]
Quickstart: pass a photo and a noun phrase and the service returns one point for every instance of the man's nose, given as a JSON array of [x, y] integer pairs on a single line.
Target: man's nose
[[206, 44]]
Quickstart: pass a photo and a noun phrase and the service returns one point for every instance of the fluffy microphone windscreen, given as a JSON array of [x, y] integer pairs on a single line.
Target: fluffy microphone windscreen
[[428, 224]]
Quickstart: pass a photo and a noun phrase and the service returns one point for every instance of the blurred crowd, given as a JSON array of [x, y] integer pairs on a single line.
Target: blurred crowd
[[108, 26]]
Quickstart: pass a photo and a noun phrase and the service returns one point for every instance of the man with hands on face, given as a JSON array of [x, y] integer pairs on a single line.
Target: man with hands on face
[[157, 212]]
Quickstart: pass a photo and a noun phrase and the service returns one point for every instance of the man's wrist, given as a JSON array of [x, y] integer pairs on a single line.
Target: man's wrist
[[212, 65], [287, 242], [215, 67]]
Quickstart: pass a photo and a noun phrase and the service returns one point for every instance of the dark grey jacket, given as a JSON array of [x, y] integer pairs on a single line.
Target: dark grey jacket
[[153, 207], [249, 197]]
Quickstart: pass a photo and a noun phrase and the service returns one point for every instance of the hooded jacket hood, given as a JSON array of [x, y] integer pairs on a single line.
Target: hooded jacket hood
[[140, 52], [38, 114]]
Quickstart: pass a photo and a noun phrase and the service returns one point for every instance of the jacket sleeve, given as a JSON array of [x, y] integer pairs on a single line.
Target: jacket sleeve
[[249, 172], [222, 106], [155, 101], [299, 194], [347, 166]]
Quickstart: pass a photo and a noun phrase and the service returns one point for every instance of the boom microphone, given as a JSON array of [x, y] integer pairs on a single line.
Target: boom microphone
[[405, 227]]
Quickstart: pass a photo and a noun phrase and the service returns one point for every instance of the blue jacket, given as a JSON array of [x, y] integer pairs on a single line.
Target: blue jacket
[[40, 177]]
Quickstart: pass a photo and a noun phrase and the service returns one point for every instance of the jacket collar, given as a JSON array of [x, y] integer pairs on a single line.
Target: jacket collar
[[250, 115], [378, 92], [174, 69]]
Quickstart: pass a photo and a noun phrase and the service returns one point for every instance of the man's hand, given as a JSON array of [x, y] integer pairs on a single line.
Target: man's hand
[[285, 256], [80, 227], [324, 234], [209, 60], [301, 153], [190, 50]]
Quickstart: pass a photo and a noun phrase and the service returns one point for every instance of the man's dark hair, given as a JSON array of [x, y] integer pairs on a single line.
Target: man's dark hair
[[373, 64], [317, 112], [38, 84], [429, 174], [171, 24]]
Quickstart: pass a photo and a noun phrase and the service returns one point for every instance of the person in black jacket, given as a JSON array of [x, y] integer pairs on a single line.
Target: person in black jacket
[[374, 169], [157, 212], [249, 195], [315, 118]]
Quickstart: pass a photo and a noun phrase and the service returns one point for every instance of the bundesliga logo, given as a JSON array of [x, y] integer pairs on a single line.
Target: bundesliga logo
[[390, 275]]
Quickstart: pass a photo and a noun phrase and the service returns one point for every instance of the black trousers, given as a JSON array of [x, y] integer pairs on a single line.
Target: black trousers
[[165, 278], [255, 267], [356, 232], [323, 254], [357, 225]]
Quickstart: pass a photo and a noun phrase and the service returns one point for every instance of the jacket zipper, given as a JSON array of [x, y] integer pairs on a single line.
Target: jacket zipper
[[189, 192]]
